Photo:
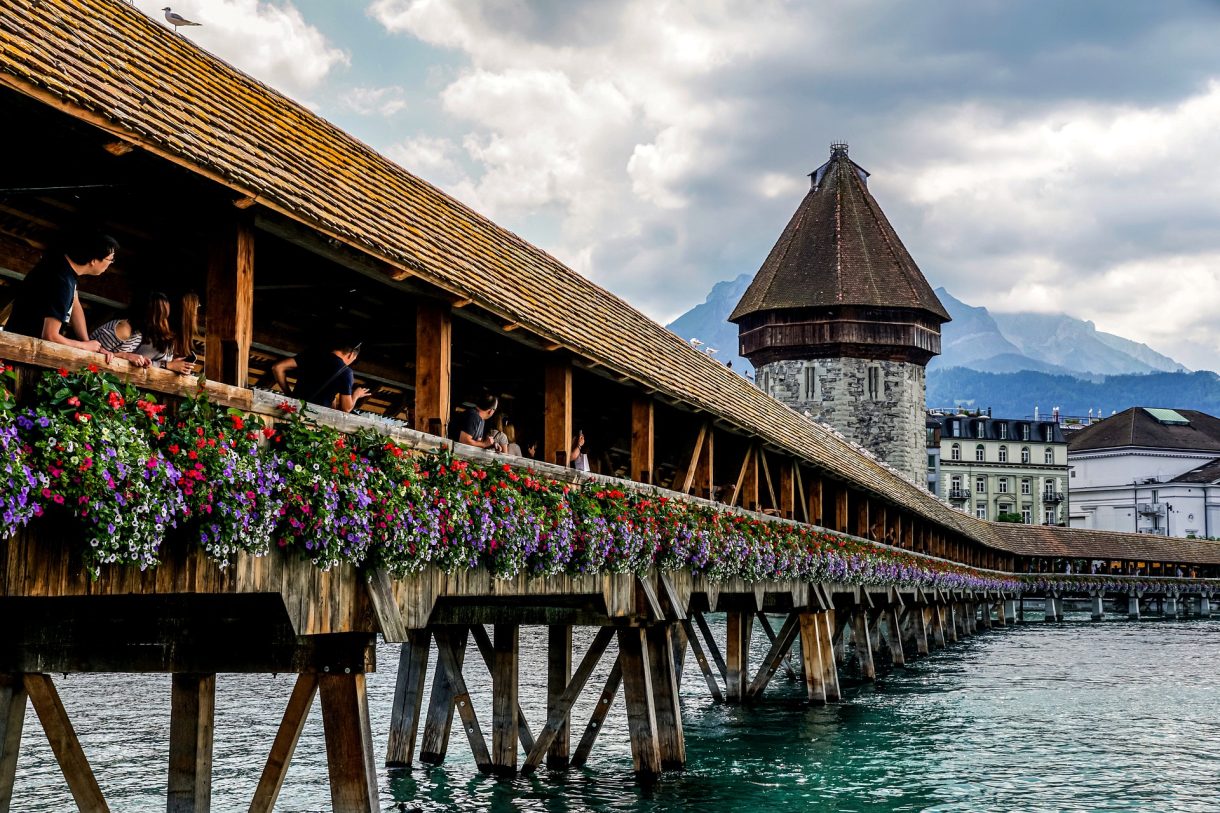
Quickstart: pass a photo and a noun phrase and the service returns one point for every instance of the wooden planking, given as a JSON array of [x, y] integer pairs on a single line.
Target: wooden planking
[[433, 367], [191, 720], [643, 451], [285, 744], [12, 720], [504, 691], [598, 719], [557, 413], [64, 743], [349, 744], [229, 309], [408, 698]]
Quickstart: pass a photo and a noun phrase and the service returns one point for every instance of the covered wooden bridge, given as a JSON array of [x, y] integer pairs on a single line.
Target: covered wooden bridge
[[213, 182]]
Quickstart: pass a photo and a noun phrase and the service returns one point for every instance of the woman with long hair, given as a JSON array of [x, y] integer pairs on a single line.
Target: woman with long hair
[[144, 336]]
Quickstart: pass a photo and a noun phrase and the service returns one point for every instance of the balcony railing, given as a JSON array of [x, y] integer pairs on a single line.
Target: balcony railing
[[1052, 497], [958, 495]]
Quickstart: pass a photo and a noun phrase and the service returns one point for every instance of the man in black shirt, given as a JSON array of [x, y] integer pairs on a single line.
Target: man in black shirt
[[323, 377], [470, 424], [47, 299]]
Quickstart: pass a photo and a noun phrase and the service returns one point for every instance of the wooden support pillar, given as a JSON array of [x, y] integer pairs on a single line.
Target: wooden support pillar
[[559, 669], [12, 720], [919, 629], [433, 366], [863, 523], [816, 497], [285, 744], [642, 440], [408, 698], [561, 708], [747, 487], [787, 489], [229, 309], [811, 657], [638, 692], [938, 625], [895, 636], [830, 667], [908, 532], [840, 509], [705, 668], [557, 413], [435, 741], [704, 482], [878, 531], [670, 739], [581, 755], [504, 699], [951, 625], [737, 655], [64, 743], [1001, 613], [192, 713], [349, 744], [863, 643], [984, 615]]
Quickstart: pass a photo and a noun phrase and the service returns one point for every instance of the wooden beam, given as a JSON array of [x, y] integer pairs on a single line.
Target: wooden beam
[[486, 651], [408, 698], [598, 718], [349, 743], [448, 661], [775, 655], [806, 514], [705, 668], [704, 484], [229, 309], [12, 720], [766, 469], [561, 708], [385, 608], [878, 526], [504, 690], [710, 641], [830, 667], [638, 692], [895, 636], [557, 414], [765, 623], [811, 658], [119, 148], [285, 743], [841, 512], [64, 743], [748, 481], [864, 644], [643, 450], [559, 669], [433, 367], [688, 481], [737, 655], [191, 719]]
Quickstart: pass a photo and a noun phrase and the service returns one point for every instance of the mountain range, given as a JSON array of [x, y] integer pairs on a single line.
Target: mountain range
[[1010, 362]]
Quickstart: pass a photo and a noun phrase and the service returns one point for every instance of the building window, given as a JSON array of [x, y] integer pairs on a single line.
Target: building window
[[980, 429], [1027, 515], [1003, 454], [980, 453], [812, 393], [931, 462], [1024, 454], [874, 383], [1024, 431], [980, 485], [1049, 431], [1048, 489], [1048, 516], [955, 451], [955, 428], [1026, 487], [1003, 431], [931, 431], [980, 510], [1003, 485], [956, 482], [1049, 457]]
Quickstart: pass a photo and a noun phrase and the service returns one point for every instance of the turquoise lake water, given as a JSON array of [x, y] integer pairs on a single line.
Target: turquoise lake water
[[1078, 716]]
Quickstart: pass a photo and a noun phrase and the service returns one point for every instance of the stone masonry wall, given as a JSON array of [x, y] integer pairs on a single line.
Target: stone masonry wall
[[886, 418]]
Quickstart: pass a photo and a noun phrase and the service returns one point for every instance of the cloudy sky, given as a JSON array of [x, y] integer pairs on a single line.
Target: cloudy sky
[[1045, 155]]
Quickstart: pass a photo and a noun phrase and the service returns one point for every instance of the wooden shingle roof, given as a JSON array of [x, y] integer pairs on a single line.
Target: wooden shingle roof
[[1079, 543], [839, 249], [106, 63]]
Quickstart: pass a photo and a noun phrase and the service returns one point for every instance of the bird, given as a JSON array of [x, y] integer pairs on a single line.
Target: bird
[[695, 342], [175, 19], [711, 351]]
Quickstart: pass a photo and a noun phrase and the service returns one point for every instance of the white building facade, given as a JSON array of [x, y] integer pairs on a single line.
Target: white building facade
[[998, 468], [1147, 470]]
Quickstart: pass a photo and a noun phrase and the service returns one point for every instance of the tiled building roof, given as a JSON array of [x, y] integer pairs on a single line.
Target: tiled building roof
[[1140, 427], [839, 249], [1207, 473], [1078, 543], [968, 427]]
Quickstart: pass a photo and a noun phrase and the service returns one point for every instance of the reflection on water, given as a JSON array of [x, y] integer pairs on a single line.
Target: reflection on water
[[1077, 716]]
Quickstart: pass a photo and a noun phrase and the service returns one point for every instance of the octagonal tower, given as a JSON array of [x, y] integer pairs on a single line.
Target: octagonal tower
[[840, 323]]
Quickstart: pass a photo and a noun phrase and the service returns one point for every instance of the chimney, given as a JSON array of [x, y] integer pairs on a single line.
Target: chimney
[[1035, 414]]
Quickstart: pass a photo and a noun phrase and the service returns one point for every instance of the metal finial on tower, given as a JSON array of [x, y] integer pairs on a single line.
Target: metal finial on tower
[[839, 148]]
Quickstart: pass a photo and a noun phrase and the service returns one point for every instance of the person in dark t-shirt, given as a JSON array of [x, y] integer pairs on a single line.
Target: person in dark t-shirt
[[47, 299], [470, 425], [324, 377]]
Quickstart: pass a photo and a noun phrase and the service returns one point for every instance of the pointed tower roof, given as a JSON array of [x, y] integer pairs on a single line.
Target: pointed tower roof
[[839, 249]]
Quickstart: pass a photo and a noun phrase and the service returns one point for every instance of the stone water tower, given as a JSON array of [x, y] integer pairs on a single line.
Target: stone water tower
[[840, 323]]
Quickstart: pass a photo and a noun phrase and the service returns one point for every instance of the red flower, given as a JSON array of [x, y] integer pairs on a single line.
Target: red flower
[[63, 371], [238, 423], [286, 407], [74, 401], [173, 448], [93, 368]]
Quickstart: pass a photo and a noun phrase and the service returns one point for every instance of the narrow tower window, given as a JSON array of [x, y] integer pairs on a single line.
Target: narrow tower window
[[874, 383]]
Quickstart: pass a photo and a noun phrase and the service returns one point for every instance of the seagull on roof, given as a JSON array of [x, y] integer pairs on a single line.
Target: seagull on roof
[[695, 342], [175, 19], [711, 351]]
